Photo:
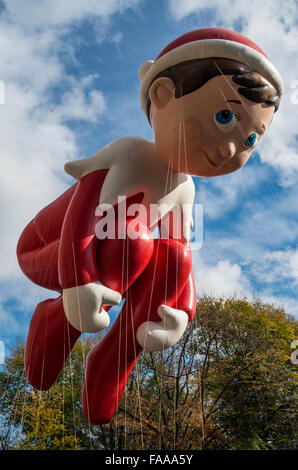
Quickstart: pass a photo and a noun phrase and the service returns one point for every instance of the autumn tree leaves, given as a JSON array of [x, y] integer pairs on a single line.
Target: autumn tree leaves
[[228, 384]]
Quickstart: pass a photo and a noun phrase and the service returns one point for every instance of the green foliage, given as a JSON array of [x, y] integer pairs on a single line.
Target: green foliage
[[50, 419], [248, 374], [228, 384]]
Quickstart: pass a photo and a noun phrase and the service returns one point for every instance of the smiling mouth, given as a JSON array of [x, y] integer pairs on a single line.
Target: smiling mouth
[[211, 162]]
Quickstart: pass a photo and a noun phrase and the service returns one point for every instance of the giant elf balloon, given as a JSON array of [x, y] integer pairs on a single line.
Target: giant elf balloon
[[209, 96]]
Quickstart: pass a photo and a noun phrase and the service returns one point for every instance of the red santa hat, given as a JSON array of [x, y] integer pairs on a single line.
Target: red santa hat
[[205, 43]]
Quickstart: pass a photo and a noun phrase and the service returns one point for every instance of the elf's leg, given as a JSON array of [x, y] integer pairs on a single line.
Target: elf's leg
[[79, 263], [149, 299], [38, 245], [187, 300], [51, 337]]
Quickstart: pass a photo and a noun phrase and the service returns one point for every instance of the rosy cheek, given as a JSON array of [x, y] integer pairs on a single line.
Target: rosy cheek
[[192, 129]]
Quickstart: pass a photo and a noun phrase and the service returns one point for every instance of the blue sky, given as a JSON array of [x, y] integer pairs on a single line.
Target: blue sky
[[71, 74]]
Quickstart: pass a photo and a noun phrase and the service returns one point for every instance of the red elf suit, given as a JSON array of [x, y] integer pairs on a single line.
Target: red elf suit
[[59, 250]]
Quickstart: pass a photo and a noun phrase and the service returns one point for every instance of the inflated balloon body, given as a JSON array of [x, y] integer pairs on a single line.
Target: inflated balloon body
[[209, 96]]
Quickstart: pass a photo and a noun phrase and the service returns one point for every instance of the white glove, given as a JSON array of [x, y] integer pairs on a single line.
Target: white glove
[[83, 306], [160, 336]]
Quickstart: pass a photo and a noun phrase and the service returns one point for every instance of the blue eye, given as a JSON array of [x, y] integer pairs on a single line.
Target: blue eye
[[251, 139], [225, 120], [224, 116]]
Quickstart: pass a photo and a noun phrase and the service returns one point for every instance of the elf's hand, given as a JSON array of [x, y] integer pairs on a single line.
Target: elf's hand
[[158, 336], [83, 306]]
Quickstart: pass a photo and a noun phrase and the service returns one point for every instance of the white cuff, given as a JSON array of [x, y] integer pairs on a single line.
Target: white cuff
[[83, 306], [160, 336]]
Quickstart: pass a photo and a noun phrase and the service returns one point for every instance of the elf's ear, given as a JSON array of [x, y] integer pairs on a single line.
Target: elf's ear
[[162, 91]]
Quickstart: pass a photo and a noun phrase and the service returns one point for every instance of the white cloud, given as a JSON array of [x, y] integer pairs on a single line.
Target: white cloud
[[227, 279], [277, 266], [288, 303], [76, 106], [223, 279], [267, 224], [273, 26], [35, 138], [224, 193], [45, 13]]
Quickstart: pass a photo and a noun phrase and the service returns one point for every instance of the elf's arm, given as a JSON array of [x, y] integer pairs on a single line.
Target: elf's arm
[[83, 293]]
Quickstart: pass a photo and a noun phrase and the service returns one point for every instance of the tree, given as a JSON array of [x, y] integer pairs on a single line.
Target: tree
[[50, 419], [228, 384]]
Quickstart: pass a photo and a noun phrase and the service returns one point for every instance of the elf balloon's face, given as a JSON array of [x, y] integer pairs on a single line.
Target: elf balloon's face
[[209, 132]]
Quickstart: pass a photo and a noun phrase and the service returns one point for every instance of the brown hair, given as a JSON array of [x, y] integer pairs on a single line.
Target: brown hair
[[191, 75]]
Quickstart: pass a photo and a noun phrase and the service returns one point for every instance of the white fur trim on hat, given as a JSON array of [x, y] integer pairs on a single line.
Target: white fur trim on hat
[[207, 48]]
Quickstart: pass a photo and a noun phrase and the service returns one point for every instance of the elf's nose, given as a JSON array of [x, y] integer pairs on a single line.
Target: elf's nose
[[227, 149]]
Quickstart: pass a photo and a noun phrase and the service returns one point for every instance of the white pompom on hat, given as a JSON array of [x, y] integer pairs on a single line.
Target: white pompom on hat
[[206, 43]]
